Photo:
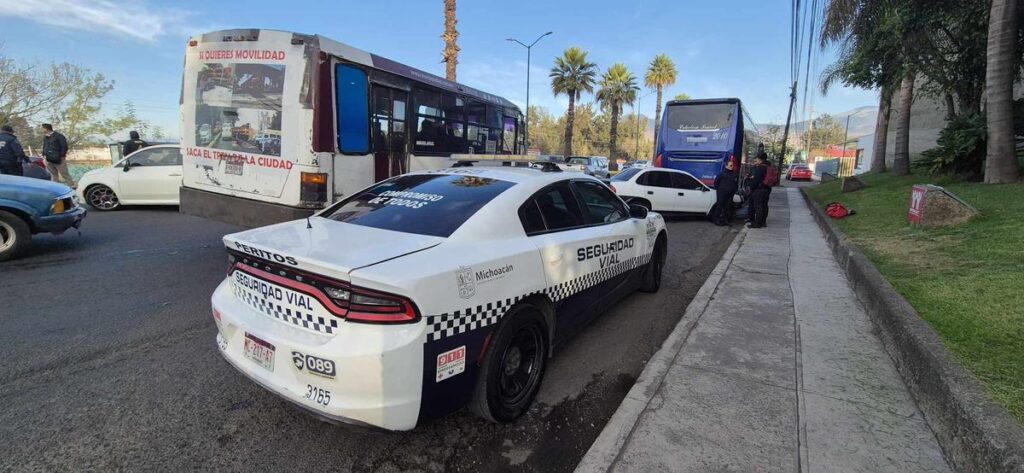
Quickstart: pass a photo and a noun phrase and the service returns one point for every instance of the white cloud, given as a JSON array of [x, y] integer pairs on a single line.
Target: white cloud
[[136, 20]]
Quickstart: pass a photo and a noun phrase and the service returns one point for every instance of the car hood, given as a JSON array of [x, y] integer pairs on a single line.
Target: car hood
[[11, 185], [324, 244]]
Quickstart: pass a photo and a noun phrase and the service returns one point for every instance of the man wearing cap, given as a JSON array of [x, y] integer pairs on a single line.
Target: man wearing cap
[[11, 152]]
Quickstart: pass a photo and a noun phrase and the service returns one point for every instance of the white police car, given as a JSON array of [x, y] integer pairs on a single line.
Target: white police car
[[430, 291]]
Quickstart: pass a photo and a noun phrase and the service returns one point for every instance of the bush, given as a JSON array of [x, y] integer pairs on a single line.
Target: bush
[[960, 150]]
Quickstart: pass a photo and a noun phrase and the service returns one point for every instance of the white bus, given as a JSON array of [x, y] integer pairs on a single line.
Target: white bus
[[275, 125]]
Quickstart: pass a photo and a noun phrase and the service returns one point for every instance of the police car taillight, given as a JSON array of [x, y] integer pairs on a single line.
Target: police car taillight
[[368, 306]]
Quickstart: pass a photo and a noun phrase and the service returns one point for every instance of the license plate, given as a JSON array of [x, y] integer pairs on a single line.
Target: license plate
[[259, 351], [696, 139], [234, 166]]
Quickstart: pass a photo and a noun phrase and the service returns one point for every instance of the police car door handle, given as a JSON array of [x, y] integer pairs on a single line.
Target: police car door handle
[[650, 192], [680, 193]]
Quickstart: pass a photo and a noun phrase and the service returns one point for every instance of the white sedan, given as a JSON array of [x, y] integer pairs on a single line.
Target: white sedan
[[149, 176], [430, 291], [664, 190]]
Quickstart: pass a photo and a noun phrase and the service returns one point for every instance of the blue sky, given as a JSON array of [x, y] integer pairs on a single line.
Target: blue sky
[[729, 48]]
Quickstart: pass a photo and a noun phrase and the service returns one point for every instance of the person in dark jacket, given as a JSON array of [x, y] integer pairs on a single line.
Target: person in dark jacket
[[725, 188], [55, 150], [133, 144], [759, 193], [11, 152]]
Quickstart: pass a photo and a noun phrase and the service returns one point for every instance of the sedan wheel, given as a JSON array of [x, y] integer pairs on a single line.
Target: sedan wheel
[[102, 198]]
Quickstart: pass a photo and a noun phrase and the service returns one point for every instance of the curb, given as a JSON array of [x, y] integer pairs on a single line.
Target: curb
[[605, 450], [975, 433]]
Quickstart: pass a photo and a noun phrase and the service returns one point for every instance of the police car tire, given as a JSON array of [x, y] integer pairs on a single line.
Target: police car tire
[[653, 273], [20, 231], [487, 402]]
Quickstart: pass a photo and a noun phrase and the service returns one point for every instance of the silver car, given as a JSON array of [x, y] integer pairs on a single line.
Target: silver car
[[596, 166]]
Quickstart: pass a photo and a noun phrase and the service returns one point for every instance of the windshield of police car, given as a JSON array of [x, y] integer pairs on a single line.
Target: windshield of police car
[[424, 204]]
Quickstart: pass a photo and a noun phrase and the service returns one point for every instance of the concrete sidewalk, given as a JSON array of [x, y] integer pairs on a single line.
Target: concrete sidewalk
[[774, 367]]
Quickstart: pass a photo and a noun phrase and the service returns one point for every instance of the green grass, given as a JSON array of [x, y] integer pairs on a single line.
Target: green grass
[[967, 281]]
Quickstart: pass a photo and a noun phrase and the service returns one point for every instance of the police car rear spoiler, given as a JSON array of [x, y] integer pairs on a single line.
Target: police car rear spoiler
[[467, 160]]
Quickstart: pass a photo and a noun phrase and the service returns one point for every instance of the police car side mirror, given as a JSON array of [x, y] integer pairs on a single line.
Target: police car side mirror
[[127, 166], [637, 211]]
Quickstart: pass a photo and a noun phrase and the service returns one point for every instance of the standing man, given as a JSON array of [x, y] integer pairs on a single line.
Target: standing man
[[133, 144], [11, 152], [55, 150], [758, 192], [725, 188]]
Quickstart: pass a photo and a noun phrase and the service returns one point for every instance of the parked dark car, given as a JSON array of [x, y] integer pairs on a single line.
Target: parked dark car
[[35, 168], [30, 206]]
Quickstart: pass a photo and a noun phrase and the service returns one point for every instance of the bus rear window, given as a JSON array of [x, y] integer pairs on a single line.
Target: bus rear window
[[425, 204], [701, 117]]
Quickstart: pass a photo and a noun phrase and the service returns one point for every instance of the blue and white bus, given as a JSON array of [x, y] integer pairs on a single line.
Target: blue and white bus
[[700, 136]]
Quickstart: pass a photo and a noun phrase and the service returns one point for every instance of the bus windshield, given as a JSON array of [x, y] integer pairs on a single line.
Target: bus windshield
[[700, 117]]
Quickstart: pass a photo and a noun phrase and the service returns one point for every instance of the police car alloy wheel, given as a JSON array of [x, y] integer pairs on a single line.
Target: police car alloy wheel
[[101, 197], [513, 367], [652, 278], [14, 235]]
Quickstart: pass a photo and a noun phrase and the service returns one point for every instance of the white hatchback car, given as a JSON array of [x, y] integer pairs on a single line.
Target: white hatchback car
[[149, 176], [664, 190]]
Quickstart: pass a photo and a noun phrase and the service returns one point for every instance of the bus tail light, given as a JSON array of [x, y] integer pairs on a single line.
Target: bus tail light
[[657, 162], [313, 189]]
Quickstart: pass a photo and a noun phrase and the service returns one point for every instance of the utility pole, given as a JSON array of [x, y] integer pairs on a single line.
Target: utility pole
[[789, 116], [526, 126]]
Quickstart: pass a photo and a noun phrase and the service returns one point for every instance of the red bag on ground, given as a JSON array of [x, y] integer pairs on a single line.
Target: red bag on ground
[[837, 210], [771, 177]]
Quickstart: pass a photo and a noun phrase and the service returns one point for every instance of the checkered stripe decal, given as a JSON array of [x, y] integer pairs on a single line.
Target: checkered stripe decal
[[461, 321], [295, 317]]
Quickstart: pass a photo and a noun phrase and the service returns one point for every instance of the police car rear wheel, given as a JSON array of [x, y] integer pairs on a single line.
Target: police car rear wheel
[[513, 368], [652, 277], [14, 235]]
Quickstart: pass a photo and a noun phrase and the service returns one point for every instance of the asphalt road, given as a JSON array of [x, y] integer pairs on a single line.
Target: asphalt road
[[110, 362]]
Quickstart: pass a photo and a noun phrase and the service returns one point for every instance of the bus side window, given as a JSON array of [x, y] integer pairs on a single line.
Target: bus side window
[[353, 109]]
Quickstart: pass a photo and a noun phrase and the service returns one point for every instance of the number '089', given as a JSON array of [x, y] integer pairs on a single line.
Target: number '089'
[[318, 395]]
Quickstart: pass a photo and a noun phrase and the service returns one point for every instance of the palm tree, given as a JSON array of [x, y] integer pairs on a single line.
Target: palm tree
[[618, 87], [661, 73], [870, 35], [451, 37], [1001, 160], [901, 159], [572, 75]]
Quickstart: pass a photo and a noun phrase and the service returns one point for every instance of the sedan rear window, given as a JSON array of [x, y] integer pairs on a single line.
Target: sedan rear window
[[425, 204]]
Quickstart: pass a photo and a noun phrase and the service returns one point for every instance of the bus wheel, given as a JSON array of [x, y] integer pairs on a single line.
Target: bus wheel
[[511, 373], [641, 202]]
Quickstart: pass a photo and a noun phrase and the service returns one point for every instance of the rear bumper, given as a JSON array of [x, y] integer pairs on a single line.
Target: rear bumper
[[378, 369], [61, 222], [236, 210]]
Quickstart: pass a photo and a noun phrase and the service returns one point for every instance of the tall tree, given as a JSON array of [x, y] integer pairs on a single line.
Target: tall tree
[[881, 129], [451, 37], [618, 86], [824, 131], [1001, 160], [870, 36], [901, 159], [572, 75], [661, 73], [682, 96]]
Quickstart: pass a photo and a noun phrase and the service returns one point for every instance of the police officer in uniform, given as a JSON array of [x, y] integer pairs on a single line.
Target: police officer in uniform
[[11, 152]]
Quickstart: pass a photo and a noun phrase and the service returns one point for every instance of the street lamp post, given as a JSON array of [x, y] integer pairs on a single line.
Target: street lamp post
[[526, 126], [637, 110]]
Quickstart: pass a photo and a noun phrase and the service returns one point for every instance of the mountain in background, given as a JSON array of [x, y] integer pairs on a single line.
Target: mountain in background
[[862, 121]]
